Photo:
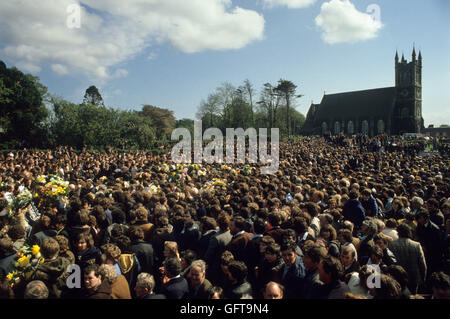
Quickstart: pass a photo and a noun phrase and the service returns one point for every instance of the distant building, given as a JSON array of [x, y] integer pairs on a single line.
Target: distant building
[[437, 131], [391, 110]]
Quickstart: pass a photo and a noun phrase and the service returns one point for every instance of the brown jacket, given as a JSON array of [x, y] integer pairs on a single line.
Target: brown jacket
[[148, 229], [238, 246], [102, 292], [120, 288]]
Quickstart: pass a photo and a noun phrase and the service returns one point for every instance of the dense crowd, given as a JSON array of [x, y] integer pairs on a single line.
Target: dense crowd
[[340, 219]]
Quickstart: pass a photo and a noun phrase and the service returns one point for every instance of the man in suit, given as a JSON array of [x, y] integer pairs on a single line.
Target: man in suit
[[410, 256], [217, 245], [311, 282], [143, 250], [239, 242], [430, 237], [198, 284], [174, 285], [208, 228], [144, 287], [353, 210]]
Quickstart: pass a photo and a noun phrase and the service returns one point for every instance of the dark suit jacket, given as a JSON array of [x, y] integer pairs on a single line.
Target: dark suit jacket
[[204, 242], [216, 246], [144, 253], [276, 233], [202, 292], [176, 288], [238, 246]]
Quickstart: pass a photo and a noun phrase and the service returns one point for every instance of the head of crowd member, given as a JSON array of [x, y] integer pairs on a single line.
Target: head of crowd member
[[83, 241], [145, 284], [330, 270], [432, 205], [197, 272], [223, 220], [6, 291], [289, 253], [108, 272], [327, 232], [92, 277], [272, 253], [215, 292], [416, 202], [36, 289], [325, 219], [344, 236], [422, 217], [404, 231], [50, 249], [273, 290], [376, 254], [348, 225], [259, 226], [312, 257], [389, 288], [172, 267], [369, 228], [237, 225], [111, 254], [348, 256], [367, 275], [289, 235], [399, 274], [171, 249], [265, 241], [440, 285], [187, 257], [381, 241], [237, 271], [225, 259], [354, 194]]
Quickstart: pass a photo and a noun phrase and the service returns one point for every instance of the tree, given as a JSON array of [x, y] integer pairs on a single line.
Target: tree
[[269, 102], [162, 119], [209, 110], [287, 90], [186, 123], [22, 110], [248, 93], [93, 96]]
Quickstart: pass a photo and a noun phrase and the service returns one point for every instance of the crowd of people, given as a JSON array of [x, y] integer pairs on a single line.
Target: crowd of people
[[337, 220]]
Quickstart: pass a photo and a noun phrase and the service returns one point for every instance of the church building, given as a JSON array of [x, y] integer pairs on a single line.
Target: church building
[[391, 110]]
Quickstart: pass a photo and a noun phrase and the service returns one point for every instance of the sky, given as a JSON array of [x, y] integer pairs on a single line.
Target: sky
[[173, 53]]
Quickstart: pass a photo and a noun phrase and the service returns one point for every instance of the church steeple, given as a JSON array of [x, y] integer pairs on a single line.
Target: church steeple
[[420, 57], [396, 56], [403, 58], [414, 54]]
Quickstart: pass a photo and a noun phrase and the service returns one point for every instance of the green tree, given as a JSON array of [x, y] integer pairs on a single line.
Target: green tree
[[22, 110], [162, 119], [287, 90], [93, 96], [186, 123]]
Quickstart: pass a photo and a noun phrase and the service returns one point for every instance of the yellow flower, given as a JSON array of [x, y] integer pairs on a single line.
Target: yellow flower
[[24, 261], [9, 276], [42, 260], [35, 249], [28, 275]]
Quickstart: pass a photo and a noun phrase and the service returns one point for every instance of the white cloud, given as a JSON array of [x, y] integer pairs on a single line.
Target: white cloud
[[292, 4], [59, 69], [341, 22], [35, 32]]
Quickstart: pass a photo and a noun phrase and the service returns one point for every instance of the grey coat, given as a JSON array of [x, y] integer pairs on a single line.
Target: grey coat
[[410, 256]]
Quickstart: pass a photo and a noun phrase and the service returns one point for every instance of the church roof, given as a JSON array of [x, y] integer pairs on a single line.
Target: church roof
[[366, 103]]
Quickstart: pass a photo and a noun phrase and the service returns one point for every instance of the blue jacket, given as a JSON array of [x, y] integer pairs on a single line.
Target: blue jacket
[[354, 212], [292, 278]]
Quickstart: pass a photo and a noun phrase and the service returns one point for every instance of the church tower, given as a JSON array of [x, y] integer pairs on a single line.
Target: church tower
[[407, 115]]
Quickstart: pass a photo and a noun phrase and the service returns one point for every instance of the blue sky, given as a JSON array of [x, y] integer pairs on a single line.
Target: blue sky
[[173, 53]]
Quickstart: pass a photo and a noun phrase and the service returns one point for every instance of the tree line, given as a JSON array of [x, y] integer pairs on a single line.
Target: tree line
[[232, 107], [31, 117]]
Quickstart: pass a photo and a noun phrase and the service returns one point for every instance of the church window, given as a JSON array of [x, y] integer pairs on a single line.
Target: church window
[[380, 126], [324, 127], [337, 127], [365, 127], [350, 127]]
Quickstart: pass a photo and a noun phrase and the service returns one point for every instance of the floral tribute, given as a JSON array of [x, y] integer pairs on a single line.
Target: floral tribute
[[28, 259]]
